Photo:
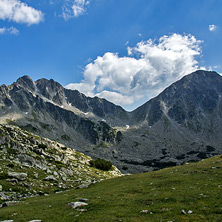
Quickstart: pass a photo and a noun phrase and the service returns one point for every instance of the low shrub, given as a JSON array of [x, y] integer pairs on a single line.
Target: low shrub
[[101, 164], [11, 151], [42, 146], [3, 176], [11, 165]]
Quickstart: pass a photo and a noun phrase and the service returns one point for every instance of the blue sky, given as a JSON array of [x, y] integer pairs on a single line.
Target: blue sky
[[126, 51]]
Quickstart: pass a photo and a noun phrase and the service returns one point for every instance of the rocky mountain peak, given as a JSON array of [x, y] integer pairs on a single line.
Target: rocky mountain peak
[[51, 85], [195, 94], [51, 89], [26, 82]]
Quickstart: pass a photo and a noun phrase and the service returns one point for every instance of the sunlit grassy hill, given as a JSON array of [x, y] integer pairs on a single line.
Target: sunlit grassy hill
[[153, 196]]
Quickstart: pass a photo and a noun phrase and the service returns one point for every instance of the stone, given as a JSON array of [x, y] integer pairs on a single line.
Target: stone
[[7, 221], [68, 172], [82, 210], [190, 212], [48, 171], [13, 180], [35, 221], [64, 178], [77, 204], [55, 173], [183, 212], [144, 211], [36, 175], [27, 185], [83, 186], [10, 203], [41, 193], [4, 196], [18, 176], [50, 178]]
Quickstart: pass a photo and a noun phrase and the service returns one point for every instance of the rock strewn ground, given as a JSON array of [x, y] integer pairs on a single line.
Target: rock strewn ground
[[32, 165]]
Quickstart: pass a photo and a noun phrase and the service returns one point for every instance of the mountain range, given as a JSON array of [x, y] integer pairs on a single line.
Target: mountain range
[[181, 124]]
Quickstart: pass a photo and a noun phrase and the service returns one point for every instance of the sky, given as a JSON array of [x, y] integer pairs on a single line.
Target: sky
[[126, 51]]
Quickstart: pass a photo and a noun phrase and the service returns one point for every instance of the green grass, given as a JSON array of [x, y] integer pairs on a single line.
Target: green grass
[[196, 187]]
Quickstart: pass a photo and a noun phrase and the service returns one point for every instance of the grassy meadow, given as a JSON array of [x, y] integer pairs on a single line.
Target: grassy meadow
[[153, 196]]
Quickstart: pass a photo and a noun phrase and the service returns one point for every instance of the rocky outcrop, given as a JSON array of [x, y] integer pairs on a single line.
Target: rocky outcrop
[[32, 165], [18, 176]]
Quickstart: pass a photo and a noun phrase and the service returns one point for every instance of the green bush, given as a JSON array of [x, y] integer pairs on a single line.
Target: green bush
[[11, 151], [43, 146], [3, 176], [101, 164], [11, 165]]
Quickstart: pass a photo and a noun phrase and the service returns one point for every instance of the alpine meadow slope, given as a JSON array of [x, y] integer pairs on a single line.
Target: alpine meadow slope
[[183, 123], [191, 192]]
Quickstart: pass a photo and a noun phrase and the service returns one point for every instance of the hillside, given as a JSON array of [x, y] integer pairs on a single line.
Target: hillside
[[191, 192], [33, 165]]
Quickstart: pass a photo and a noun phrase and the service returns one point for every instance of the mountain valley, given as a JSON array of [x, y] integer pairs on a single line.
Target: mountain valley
[[183, 123]]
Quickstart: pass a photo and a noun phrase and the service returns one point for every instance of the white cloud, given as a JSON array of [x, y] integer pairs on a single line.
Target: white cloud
[[212, 28], [116, 97], [11, 30], [74, 8], [17, 11], [149, 67]]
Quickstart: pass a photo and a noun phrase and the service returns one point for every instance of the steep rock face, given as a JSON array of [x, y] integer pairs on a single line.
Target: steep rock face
[[27, 83], [51, 90], [45, 105], [100, 107], [5, 100], [193, 97]]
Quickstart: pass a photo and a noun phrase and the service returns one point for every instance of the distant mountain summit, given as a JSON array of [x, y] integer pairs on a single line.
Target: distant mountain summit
[[54, 92], [45, 107], [183, 123], [186, 101]]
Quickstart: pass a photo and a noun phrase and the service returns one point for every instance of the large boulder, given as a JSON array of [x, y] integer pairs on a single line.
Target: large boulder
[[18, 176]]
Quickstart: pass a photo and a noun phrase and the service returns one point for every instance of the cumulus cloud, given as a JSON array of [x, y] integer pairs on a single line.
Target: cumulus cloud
[[149, 67], [212, 28], [74, 8], [11, 30], [17, 11]]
